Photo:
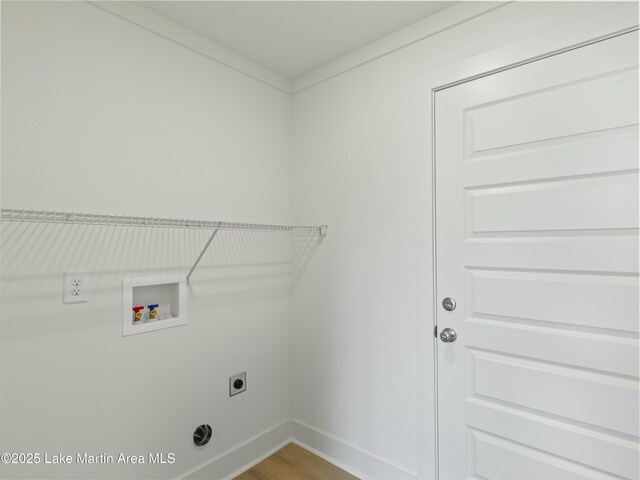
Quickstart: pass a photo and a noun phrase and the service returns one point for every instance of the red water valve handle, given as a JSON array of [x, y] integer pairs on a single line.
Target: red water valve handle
[[137, 313]]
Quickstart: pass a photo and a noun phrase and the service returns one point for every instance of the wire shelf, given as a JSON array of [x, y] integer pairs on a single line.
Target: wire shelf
[[51, 216], [79, 218]]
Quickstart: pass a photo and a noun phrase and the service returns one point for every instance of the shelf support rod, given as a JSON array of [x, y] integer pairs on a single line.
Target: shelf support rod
[[202, 253]]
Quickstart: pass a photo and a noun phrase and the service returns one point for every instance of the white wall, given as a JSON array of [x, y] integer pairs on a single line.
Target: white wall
[[100, 115], [363, 313]]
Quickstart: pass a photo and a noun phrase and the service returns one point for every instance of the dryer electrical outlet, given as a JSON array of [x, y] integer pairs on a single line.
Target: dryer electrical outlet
[[237, 383], [75, 287]]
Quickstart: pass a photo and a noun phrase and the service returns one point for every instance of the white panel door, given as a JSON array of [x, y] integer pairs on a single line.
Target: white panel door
[[537, 242]]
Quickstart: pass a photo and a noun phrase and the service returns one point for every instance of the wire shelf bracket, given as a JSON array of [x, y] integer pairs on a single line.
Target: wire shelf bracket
[[206, 247], [101, 219]]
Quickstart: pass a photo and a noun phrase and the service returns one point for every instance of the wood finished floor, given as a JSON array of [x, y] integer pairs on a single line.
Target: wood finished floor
[[295, 463]]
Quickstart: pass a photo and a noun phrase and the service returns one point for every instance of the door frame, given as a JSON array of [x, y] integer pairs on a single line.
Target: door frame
[[561, 40]]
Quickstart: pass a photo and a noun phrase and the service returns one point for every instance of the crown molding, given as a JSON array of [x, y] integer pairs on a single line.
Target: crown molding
[[422, 29], [432, 25], [156, 23]]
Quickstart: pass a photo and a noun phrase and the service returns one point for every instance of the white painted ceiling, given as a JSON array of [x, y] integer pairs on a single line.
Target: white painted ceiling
[[294, 37]]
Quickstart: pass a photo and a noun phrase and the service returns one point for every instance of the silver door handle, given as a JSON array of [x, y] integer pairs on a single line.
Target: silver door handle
[[448, 335]]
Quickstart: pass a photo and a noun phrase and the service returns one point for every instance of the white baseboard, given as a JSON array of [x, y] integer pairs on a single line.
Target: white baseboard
[[350, 458], [233, 462], [346, 456]]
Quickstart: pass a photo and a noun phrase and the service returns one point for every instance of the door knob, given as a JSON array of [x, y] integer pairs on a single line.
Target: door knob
[[449, 304], [448, 335]]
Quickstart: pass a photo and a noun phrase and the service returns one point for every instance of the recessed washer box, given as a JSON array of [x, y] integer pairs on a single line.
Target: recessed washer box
[[167, 292]]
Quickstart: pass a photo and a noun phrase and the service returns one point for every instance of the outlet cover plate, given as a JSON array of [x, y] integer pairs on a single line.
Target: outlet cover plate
[[75, 287], [232, 389]]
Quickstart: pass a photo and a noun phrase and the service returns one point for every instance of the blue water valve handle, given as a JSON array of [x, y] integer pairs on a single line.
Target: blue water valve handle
[[152, 311]]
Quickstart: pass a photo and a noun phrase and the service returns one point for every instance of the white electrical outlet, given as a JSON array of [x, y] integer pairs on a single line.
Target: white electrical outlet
[[75, 287]]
